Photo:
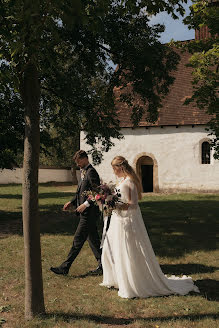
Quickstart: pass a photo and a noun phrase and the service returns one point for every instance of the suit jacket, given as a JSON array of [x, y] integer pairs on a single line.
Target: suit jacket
[[90, 181]]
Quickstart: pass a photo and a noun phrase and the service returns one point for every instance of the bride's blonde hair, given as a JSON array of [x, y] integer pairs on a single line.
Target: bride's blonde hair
[[120, 161]]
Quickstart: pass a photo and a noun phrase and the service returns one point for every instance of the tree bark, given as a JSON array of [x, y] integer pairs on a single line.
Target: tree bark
[[34, 300]]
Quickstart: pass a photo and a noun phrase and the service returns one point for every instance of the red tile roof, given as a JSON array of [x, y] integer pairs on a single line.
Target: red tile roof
[[173, 111]]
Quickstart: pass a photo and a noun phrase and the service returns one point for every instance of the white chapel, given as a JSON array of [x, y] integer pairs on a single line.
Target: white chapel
[[174, 153]]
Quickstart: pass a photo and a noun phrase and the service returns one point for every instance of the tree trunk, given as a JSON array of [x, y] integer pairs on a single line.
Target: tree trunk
[[34, 301]]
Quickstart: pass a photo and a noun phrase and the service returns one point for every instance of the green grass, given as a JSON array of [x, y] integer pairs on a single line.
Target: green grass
[[182, 229]]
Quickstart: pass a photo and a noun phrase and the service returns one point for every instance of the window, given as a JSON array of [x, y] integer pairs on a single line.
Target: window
[[206, 153]]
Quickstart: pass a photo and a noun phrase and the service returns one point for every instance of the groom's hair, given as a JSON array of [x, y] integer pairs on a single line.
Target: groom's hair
[[80, 154]]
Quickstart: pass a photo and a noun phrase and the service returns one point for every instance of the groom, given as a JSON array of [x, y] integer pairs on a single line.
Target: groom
[[87, 228]]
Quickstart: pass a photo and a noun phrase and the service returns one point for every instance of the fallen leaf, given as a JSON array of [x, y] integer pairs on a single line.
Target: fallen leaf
[[5, 308]]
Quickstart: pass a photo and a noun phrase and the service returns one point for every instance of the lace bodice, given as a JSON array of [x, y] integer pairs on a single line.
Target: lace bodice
[[128, 191]]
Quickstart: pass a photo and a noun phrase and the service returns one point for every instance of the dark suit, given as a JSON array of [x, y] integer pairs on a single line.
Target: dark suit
[[87, 228]]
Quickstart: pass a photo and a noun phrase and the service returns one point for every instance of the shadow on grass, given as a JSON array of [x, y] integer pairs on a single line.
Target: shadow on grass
[[11, 196], [179, 226], [209, 289], [58, 222], [85, 275], [10, 223], [187, 269], [175, 226], [102, 319]]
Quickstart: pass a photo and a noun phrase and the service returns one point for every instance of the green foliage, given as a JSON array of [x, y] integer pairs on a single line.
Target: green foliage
[[204, 13], [204, 61], [11, 120], [56, 151], [71, 43]]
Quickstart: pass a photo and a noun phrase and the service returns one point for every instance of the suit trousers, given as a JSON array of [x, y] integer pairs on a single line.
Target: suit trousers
[[86, 230]]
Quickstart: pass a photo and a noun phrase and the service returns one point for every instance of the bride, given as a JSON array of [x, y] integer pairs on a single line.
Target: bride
[[128, 260]]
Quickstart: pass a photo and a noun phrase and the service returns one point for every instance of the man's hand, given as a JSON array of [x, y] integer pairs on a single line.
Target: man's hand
[[81, 208], [67, 206]]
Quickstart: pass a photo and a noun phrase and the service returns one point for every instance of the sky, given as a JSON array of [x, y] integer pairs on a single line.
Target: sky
[[175, 29]]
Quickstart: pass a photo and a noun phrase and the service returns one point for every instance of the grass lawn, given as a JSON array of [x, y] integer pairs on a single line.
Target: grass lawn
[[182, 229]]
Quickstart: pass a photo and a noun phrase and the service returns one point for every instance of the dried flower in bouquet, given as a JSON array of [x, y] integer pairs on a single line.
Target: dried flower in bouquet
[[106, 196]]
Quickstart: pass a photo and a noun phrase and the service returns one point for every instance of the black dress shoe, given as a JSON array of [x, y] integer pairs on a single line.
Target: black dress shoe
[[98, 271], [59, 270]]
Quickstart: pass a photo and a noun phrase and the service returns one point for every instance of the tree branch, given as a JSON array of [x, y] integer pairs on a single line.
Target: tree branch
[[106, 49], [63, 98]]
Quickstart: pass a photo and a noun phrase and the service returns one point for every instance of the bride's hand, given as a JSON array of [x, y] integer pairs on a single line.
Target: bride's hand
[[123, 207]]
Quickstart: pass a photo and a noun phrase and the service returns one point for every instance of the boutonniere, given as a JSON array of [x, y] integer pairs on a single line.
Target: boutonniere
[[83, 173]]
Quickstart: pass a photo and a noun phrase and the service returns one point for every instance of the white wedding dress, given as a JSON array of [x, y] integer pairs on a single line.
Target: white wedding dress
[[128, 259]]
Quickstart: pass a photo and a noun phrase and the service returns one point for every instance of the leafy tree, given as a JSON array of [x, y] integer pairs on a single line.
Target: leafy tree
[[57, 55], [57, 151], [11, 121], [205, 63]]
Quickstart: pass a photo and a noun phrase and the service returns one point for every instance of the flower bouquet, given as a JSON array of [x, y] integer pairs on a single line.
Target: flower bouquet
[[106, 196]]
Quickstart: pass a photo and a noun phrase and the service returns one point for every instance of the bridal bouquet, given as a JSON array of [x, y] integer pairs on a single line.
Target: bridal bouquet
[[106, 196]]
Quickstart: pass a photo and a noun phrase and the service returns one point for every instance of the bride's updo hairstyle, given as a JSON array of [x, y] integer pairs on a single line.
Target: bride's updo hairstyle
[[121, 162]]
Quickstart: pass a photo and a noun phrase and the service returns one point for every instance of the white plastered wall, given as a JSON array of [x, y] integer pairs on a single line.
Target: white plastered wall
[[45, 175], [176, 150]]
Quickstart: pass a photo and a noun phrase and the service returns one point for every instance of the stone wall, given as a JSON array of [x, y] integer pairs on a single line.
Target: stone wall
[[45, 175]]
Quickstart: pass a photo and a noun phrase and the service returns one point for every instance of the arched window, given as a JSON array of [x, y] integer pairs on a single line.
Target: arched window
[[206, 153]]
